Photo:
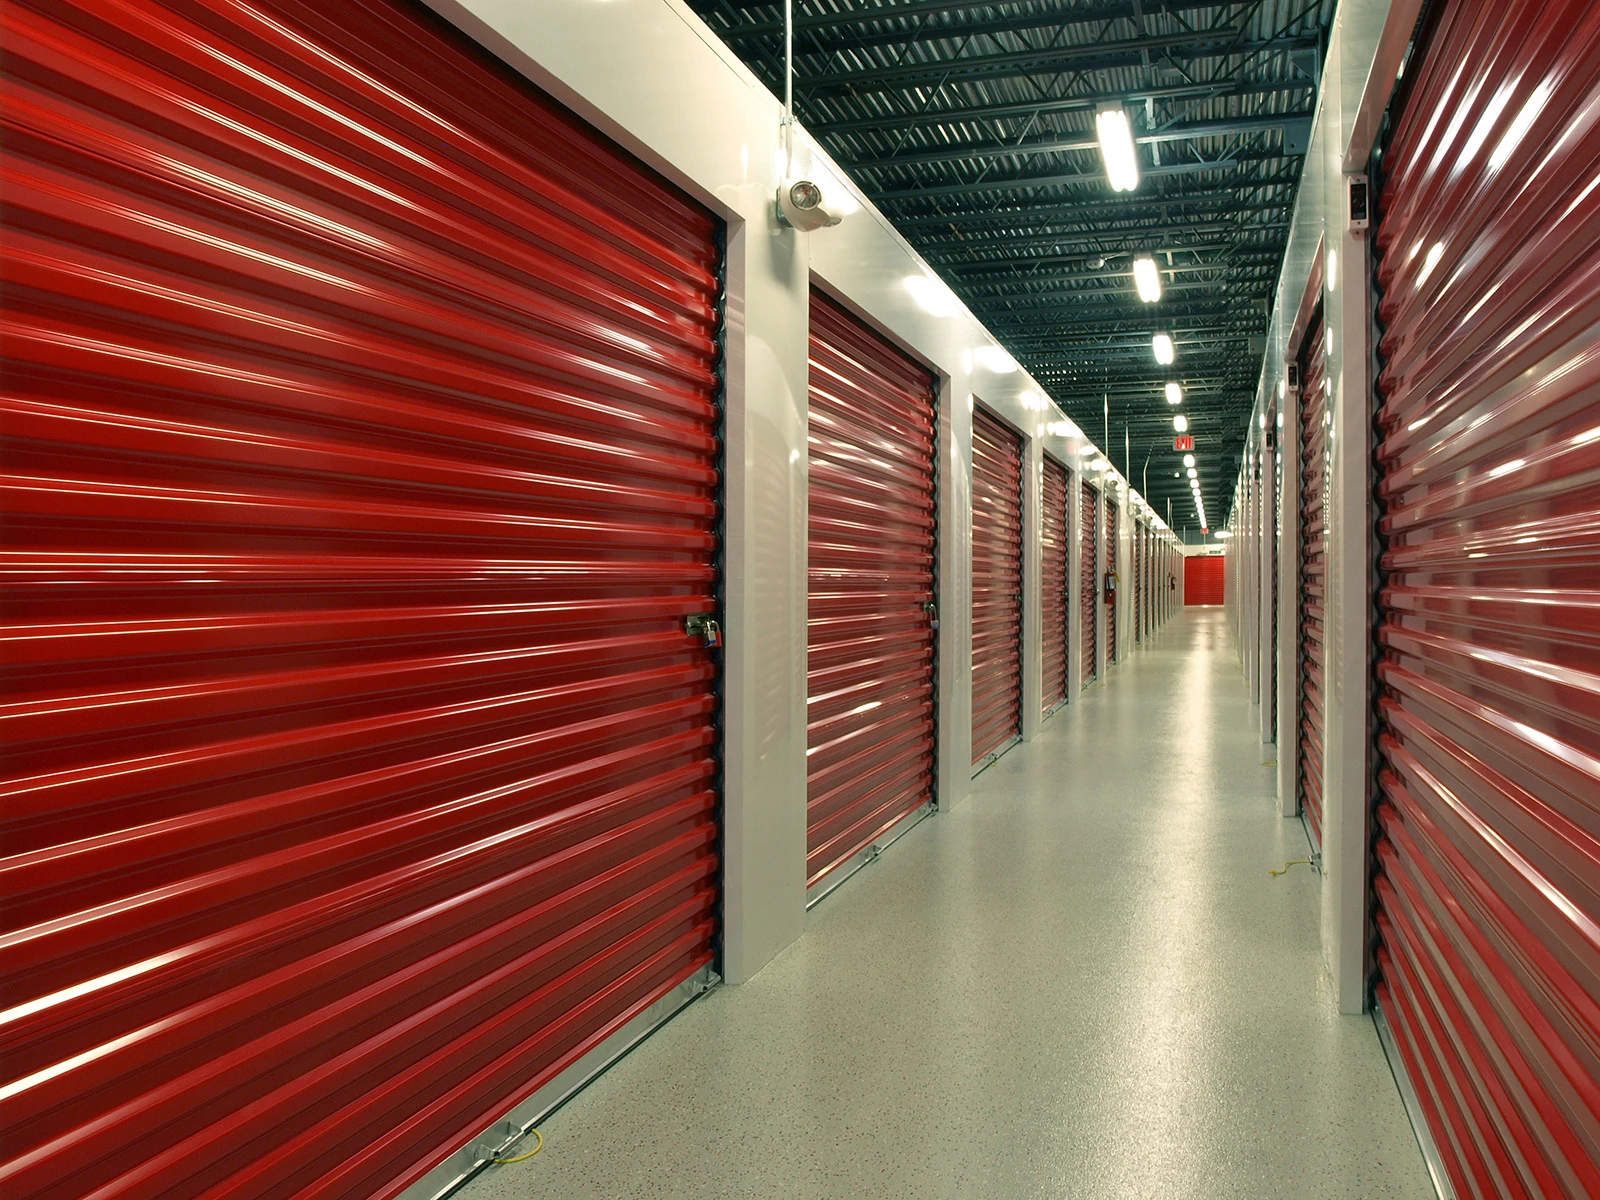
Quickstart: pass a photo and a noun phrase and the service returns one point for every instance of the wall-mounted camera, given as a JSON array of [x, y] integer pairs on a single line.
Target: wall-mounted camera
[[802, 205]]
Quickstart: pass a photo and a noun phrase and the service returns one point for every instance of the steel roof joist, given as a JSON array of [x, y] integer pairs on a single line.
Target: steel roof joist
[[978, 151], [1104, 56], [1073, 179], [944, 116]]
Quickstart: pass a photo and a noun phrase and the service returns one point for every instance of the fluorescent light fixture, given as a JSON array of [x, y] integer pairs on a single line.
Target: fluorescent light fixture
[[932, 296], [1174, 394], [1162, 345], [1188, 460], [1193, 474], [994, 358], [1263, 420], [1116, 148], [1147, 279], [1180, 423], [1283, 388], [1224, 533]]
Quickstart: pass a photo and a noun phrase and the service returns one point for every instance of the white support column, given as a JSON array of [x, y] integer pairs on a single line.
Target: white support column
[[1347, 771], [953, 774], [765, 598]]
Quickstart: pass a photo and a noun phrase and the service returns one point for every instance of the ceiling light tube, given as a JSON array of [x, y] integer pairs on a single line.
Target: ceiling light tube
[[1188, 460], [1147, 279], [1162, 345], [1174, 394], [1180, 423], [1116, 148]]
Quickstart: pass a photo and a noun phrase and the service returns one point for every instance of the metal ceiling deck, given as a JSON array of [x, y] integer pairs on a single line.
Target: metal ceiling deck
[[972, 127]]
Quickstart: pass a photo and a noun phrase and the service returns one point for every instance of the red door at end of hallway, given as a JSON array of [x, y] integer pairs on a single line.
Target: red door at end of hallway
[[1054, 577], [870, 642], [362, 510], [1203, 579], [1088, 584], [1487, 877], [996, 586]]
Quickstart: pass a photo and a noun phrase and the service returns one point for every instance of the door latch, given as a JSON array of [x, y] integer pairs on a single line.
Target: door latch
[[703, 626], [932, 609]]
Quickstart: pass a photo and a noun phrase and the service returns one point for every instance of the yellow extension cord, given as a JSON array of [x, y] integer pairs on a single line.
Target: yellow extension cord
[[503, 1162], [1299, 862]]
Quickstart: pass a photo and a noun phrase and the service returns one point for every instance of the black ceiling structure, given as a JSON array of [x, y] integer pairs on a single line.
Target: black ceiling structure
[[972, 126]]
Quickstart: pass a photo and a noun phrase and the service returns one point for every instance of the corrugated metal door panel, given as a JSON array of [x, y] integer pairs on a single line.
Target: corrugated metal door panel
[[1151, 581], [361, 469], [996, 585], [1147, 558], [1136, 567], [870, 643], [1274, 549], [1088, 543], [1313, 569], [1488, 855], [1111, 567], [1054, 578], [1204, 579]]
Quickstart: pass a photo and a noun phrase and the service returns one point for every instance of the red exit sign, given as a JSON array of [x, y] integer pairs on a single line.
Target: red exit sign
[[1183, 443]]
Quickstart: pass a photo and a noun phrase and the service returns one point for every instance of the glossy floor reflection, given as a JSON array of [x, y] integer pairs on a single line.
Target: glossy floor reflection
[[1080, 983]]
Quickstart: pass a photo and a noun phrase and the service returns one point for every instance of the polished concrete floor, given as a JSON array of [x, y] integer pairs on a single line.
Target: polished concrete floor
[[1082, 982]]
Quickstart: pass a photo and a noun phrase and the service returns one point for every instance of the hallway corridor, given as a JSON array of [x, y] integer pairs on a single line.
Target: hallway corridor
[[1081, 983]]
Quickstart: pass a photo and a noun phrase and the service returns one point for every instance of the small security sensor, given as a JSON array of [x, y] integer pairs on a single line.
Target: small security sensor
[[801, 205], [1360, 204]]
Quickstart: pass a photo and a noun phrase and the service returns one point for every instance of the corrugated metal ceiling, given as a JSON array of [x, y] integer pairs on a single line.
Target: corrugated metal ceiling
[[972, 127]]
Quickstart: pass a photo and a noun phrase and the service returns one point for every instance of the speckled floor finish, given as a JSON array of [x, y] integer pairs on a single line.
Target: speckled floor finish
[[1080, 983]]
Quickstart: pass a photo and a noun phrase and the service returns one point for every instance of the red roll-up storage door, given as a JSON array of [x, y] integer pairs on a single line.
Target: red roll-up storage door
[[1274, 538], [1204, 579], [1488, 855], [362, 469], [1137, 561], [996, 586], [1111, 566], [1150, 582], [1313, 571], [1088, 585], [870, 644], [1053, 580]]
